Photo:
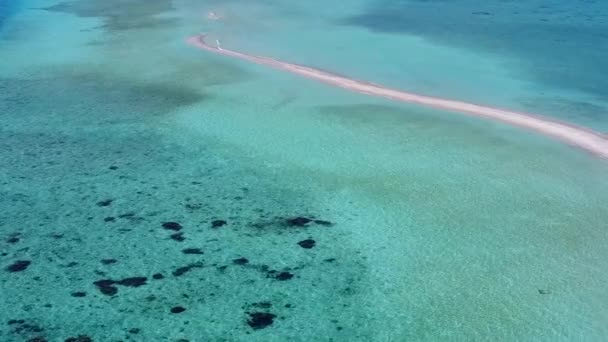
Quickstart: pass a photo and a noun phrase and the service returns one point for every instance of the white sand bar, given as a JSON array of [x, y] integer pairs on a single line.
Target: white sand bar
[[581, 137]]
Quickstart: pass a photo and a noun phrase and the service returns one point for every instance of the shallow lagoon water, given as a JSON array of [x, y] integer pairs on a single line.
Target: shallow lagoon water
[[430, 225]]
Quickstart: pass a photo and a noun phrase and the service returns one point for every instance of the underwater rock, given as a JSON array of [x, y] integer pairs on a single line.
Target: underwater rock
[[307, 244], [78, 294], [260, 320], [109, 219], [172, 226], [158, 276], [108, 261], [18, 266], [218, 223]]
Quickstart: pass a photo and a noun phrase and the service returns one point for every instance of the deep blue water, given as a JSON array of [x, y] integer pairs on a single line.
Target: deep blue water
[[560, 44], [7, 8]]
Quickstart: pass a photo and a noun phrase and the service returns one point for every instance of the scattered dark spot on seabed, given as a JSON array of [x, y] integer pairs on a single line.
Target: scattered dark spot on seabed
[[307, 244], [13, 238], [192, 251], [79, 338], [218, 223], [240, 261], [178, 237], [280, 275], [37, 339], [183, 270], [260, 320], [104, 203], [177, 309], [298, 221], [262, 305], [304, 221], [172, 226], [18, 266], [108, 288], [20, 326]]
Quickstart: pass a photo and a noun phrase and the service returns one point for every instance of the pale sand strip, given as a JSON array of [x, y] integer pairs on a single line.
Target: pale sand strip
[[581, 137]]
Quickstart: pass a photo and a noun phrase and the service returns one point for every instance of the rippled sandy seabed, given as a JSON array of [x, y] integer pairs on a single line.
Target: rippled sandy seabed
[[151, 191]]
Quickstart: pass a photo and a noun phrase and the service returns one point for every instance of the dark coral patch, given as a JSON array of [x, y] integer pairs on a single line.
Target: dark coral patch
[[192, 251], [260, 320], [18, 266], [78, 294], [158, 276], [109, 219], [307, 244], [172, 226], [108, 261], [104, 203], [218, 223]]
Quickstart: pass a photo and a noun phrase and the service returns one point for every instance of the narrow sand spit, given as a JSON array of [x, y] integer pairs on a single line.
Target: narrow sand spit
[[581, 137]]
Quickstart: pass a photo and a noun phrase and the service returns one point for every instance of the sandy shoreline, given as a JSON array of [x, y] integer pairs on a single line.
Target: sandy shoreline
[[577, 136]]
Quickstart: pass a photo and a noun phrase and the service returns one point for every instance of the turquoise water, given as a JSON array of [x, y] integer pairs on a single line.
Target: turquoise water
[[127, 154]]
